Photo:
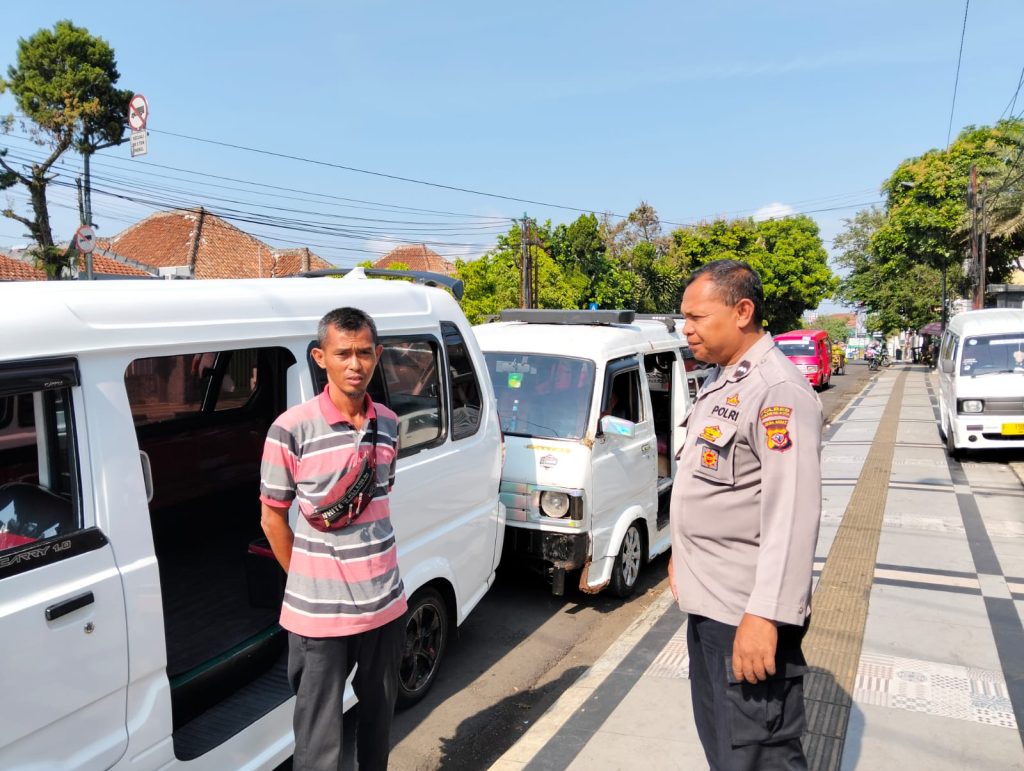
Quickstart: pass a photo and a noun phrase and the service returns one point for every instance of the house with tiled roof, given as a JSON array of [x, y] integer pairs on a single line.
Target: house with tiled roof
[[195, 243], [21, 267], [417, 257], [15, 268]]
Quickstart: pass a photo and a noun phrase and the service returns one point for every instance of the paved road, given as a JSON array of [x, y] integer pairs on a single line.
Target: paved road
[[522, 647]]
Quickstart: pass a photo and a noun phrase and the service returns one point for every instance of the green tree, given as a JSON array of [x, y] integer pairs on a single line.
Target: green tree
[[835, 326], [492, 282], [786, 253], [928, 221], [897, 292], [64, 84]]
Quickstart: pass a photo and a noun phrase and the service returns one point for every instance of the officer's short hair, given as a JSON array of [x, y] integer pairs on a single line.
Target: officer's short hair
[[734, 281], [347, 320]]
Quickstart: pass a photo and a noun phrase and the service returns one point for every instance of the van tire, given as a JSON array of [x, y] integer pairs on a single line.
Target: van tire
[[629, 560], [426, 637], [951, 448]]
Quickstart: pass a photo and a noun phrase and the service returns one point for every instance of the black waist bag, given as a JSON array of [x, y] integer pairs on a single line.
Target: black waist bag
[[355, 488]]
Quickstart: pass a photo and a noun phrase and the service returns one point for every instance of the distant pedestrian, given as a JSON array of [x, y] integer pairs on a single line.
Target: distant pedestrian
[[344, 601], [744, 519]]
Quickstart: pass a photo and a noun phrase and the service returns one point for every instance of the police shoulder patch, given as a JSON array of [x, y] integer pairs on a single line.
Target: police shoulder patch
[[775, 420]]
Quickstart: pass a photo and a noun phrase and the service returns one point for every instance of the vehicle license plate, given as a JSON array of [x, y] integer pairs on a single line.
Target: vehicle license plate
[[1013, 429]]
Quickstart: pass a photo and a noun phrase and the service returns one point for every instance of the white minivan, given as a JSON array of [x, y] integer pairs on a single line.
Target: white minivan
[[138, 605], [981, 380], [591, 404]]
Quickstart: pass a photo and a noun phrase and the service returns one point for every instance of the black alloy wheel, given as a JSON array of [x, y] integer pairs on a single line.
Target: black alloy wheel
[[426, 637]]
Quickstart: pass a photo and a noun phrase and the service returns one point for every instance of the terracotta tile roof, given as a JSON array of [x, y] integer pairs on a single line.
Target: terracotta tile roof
[[13, 269], [111, 266], [417, 257], [289, 261], [168, 239]]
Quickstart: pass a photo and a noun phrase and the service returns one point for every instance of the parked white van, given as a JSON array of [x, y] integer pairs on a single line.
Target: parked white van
[[981, 380], [591, 404], [138, 610]]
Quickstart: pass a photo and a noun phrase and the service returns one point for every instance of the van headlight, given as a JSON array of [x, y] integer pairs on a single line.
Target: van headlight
[[972, 405], [554, 504]]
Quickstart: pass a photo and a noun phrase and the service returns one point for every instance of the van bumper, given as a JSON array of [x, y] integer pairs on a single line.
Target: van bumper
[[985, 432], [567, 551]]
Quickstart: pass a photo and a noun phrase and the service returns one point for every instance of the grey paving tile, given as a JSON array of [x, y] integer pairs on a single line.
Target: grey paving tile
[[884, 738], [921, 549], [930, 625]]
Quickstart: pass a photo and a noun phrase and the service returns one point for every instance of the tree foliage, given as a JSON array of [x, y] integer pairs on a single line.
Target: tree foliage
[[787, 254], [895, 256], [633, 264], [836, 327], [64, 84]]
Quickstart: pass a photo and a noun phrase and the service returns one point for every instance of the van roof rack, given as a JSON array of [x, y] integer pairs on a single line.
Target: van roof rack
[[543, 316], [453, 285], [668, 319]]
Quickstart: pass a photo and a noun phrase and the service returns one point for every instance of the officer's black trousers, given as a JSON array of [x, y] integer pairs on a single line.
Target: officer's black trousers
[[746, 727], [317, 669]]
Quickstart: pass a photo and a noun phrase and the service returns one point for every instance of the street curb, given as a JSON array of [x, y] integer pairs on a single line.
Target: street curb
[[559, 713], [1018, 469]]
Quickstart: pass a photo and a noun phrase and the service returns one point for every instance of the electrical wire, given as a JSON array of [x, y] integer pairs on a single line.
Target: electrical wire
[[956, 82]]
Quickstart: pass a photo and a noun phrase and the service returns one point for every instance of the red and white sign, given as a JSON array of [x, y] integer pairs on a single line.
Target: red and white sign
[[138, 112], [85, 239]]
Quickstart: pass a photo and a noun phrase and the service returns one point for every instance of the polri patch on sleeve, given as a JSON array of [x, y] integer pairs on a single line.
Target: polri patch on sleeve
[[776, 423]]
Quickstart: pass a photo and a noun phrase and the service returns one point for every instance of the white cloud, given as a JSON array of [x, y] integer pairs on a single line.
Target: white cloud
[[773, 211]]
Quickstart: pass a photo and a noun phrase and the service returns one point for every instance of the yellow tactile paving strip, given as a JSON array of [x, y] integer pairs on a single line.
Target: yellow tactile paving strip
[[840, 604]]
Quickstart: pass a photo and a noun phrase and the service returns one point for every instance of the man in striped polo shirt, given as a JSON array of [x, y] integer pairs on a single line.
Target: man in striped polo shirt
[[344, 600]]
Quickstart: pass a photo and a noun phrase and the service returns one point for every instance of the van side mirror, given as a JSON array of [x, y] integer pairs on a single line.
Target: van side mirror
[[946, 365], [609, 424]]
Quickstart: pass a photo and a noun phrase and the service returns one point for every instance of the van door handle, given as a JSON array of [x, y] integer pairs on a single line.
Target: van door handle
[[646, 449], [64, 607]]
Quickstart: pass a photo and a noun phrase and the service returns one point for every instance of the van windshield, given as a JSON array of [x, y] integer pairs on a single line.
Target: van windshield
[[541, 395], [993, 353], [796, 347]]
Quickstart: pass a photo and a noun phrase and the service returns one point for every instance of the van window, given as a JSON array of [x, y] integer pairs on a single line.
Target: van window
[[992, 354], [166, 388], [409, 368], [796, 347], [39, 489], [540, 395], [948, 350], [622, 399], [465, 398]]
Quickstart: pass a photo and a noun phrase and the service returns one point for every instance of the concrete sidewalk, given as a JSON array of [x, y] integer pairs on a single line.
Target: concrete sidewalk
[[939, 681]]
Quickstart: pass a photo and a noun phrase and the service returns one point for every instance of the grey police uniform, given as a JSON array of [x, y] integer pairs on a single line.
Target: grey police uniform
[[745, 509], [747, 497]]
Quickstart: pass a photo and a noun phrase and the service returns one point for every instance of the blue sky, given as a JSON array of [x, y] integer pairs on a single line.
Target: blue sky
[[700, 109]]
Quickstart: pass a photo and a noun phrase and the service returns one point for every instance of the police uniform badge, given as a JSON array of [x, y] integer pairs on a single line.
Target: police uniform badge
[[776, 424], [711, 433], [733, 401], [709, 458]]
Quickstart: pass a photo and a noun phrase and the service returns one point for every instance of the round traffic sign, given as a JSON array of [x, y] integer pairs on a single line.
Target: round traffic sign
[[85, 239], [138, 112]]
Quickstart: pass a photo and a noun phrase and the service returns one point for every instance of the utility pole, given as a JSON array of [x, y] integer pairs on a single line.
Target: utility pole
[[983, 273], [525, 268], [972, 204]]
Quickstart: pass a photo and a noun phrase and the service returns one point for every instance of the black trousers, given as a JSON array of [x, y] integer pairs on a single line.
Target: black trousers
[[745, 727], [317, 669]]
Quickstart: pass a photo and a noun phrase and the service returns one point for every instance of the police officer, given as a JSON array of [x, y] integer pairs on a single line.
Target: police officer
[[744, 518]]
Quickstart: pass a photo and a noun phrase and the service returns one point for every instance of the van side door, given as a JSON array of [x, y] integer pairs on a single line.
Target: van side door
[[62, 610], [624, 468]]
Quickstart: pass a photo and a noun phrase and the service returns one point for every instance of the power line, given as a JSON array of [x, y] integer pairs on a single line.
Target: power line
[[956, 82], [1011, 105]]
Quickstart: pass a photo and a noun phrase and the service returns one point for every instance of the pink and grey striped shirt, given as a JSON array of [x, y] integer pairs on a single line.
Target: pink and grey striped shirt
[[344, 581]]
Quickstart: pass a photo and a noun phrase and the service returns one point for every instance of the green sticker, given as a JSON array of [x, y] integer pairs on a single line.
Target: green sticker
[[515, 379]]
